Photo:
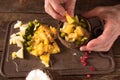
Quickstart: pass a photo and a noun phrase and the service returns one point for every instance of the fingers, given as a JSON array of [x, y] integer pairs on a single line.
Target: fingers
[[104, 41], [56, 5], [95, 12], [70, 6], [49, 8], [97, 44], [57, 11]]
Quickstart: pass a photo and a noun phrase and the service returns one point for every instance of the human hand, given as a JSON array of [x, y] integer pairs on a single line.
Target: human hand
[[111, 15], [57, 11]]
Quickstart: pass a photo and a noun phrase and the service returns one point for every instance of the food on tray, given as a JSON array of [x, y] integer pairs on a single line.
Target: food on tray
[[37, 75], [74, 31], [38, 39], [18, 54]]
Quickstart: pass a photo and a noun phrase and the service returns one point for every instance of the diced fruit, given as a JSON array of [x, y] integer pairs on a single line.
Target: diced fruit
[[70, 20], [45, 59], [55, 49], [37, 39], [74, 31], [69, 28], [19, 53], [63, 34], [14, 55], [80, 31], [72, 37], [29, 49], [54, 31], [76, 20], [18, 24], [30, 24]]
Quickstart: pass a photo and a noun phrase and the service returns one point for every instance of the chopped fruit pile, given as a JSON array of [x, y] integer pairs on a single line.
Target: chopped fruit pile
[[74, 31], [37, 39]]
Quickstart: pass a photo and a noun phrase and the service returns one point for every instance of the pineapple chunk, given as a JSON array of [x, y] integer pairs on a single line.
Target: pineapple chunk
[[34, 52], [54, 31], [71, 37], [45, 59], [70, 20], [80, 31], [55, 49], [18, 54], [69, 28]]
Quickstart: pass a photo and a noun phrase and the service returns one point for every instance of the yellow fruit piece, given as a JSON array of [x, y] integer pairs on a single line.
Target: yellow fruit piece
[[40, 49], [54, 32], [14, 55], [76, 19], [71, 37], [68, 28], [19, 53], [80, 31], [45, 59], [55, 48], [34, 52], [43, 37], [42, 43], [70, 20]]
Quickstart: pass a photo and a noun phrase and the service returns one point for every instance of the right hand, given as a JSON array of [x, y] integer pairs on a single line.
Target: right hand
[[111, 15], [57, 11]]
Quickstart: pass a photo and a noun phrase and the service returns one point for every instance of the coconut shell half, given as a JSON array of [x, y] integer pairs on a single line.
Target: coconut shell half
[[71, 44]]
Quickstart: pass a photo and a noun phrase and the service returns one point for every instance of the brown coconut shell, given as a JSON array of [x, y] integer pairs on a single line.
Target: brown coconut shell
[[71, 44]]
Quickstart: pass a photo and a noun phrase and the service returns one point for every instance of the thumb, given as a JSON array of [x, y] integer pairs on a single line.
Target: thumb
[[91, 46]]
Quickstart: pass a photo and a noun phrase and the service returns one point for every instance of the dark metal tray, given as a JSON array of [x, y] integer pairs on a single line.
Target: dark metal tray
[[65, 63]]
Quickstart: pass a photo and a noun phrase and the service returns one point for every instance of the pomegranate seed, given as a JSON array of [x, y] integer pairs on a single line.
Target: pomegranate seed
[[89, 76], [82, 59], [86, 53], [84, 63], [86, 56], [92, 69]]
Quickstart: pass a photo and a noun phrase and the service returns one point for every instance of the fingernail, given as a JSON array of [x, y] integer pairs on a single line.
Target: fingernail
[[81, 48]]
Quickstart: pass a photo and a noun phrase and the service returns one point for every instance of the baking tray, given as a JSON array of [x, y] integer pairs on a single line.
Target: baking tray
[[67, 62]]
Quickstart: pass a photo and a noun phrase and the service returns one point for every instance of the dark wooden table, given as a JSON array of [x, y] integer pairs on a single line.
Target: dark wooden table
[[11, 10]]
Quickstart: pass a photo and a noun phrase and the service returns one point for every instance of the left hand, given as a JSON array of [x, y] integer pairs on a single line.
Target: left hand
[[111, 15], [57, 11]]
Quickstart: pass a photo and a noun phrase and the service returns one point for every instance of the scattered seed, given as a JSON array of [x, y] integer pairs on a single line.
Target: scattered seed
[[92, 68], [89, 76], [84, 63]]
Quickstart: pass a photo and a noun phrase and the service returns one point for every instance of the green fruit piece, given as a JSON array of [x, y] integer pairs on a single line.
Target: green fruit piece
[[29, 48], [63, 34]]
